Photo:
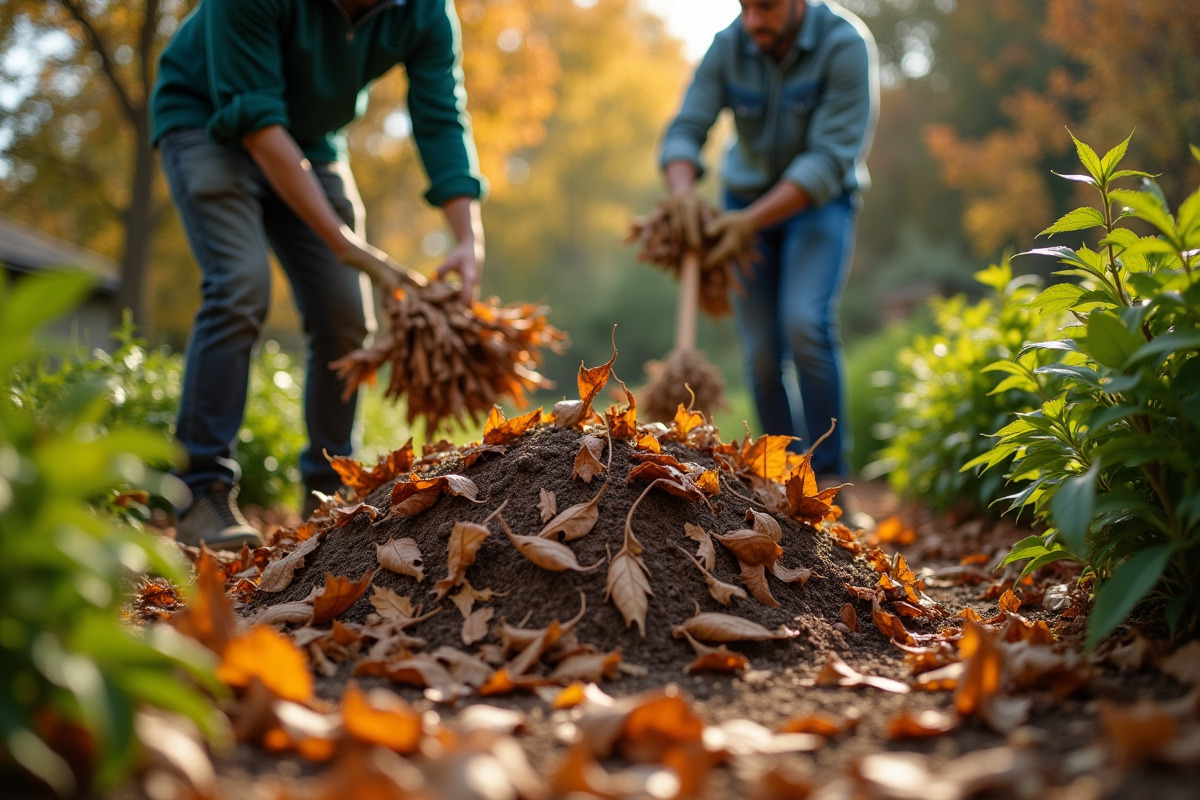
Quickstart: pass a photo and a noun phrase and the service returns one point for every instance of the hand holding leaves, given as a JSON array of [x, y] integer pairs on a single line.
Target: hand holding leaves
[[733, 231]]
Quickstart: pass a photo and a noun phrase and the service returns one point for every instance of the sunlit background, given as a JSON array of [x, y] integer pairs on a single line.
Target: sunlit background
[[569, 100]]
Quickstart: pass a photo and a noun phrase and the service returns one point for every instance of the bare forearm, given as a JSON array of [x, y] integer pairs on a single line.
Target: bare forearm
[[679, 176], [782, 201], [291, 176], [465, 221]]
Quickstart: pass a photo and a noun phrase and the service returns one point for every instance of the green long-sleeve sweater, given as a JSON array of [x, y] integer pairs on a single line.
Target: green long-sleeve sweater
[[235, 67]]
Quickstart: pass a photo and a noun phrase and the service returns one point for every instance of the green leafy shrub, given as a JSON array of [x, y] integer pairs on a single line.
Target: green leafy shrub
[[143, 386], [67, 662], [1111, 458], [873, 378], [948, 402]]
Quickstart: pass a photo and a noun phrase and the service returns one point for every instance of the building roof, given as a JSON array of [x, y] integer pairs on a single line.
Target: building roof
[[26, 249]]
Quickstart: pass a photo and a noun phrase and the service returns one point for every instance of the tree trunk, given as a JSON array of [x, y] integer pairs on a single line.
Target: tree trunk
[[139, 226]]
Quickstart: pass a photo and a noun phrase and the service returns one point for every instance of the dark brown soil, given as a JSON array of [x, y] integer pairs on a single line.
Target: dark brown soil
[[534, 597]]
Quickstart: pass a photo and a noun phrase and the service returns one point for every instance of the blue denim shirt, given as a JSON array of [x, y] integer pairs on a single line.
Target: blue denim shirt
[[808, 119]]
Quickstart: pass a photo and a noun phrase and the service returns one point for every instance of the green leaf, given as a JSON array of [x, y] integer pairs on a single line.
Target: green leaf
[[1114, 156], [1129, 584], [1085, 375], [1088, 158], [1108, 340], [1073, 505], [1195, 151], [1047, 558], [1170, 342], [1147, 207], [1129, 173], [1028, 547], [1078, 220], [1057, 298], [1088, 179]]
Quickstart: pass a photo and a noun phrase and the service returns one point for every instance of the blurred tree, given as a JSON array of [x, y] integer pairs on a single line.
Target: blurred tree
[[1101, 67], [75, 143]]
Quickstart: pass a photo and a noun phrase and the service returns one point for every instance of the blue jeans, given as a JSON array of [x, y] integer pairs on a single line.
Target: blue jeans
[[788, 322], [232, 217]]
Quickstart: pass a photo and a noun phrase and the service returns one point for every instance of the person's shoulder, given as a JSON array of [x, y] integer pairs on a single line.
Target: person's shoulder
[[840, 23]]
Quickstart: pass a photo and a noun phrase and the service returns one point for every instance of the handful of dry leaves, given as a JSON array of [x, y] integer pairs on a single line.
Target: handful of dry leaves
[[652, 232], [451, 361]]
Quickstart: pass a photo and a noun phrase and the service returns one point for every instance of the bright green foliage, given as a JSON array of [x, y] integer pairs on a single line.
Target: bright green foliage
[[871, 372], [1111, 459], [949, 401], [65, 656]]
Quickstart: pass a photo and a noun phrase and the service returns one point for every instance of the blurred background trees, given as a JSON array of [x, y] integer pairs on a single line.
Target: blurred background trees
[[568, 99]]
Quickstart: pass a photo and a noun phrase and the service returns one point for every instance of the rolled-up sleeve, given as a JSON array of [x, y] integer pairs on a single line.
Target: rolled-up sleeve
[[245, 65], [842, 124], [437, 104], [702, 102]]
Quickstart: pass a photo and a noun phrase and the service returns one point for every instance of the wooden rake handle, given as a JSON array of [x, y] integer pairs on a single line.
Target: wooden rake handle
[[689, 293]]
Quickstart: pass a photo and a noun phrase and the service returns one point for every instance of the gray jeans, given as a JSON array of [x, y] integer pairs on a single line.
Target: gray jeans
[[232, 217]]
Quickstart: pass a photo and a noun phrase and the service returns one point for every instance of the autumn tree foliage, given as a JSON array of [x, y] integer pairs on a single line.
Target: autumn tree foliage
[[1100, 67]]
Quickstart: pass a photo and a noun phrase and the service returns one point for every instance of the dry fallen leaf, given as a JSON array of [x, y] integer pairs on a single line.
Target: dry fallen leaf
[[755, 579], [751, 548], [838, 673], [587, 461], [498, 430], [590, 667], [546, 553], [278, 574], [712, 626], [468, 595], [722, 592], [382, 718], [296, 612], [978, 690], [906, 724], [547, 505], [418, 670], [715, 659], [269, 658], [849, 617], [628, 582], [364, 481], [401, 556], [820, 724], [705, 552], [578, 520], [415, 495], [465, 540], [337, 595], [475, 626]]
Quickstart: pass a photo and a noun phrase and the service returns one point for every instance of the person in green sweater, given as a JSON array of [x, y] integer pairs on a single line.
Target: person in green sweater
[[247, 114]]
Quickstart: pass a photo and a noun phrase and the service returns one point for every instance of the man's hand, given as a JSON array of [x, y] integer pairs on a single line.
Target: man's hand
[[383, 270], [683, 214], [465, 260], [735, 229]]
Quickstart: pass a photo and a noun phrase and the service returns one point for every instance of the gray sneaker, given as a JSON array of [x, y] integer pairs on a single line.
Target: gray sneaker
[[215, 519]]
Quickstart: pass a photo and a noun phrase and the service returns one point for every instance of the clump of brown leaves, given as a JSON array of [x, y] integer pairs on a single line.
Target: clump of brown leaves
[[685, 377], [652, 233], [452, 361]]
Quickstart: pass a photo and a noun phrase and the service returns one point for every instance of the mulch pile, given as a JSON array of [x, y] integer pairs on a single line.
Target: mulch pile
[[533, 597]]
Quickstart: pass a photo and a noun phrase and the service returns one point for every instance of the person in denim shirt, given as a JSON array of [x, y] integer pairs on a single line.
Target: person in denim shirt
[[247, 113], [801, 80]]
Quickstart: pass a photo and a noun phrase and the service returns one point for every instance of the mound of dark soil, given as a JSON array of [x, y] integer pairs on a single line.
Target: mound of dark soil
[[533, 597]]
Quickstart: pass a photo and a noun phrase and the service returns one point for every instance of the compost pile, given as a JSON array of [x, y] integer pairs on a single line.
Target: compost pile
[[573, 546], [453, 361], [657, 245]]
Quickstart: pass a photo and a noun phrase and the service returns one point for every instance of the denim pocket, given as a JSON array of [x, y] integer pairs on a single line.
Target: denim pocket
[[749, 111]]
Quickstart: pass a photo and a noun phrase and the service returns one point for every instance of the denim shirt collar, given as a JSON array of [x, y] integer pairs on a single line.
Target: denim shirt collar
[[807, 37]]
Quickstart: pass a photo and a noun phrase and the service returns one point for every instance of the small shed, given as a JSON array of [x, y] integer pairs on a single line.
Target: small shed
[[24, 251]]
